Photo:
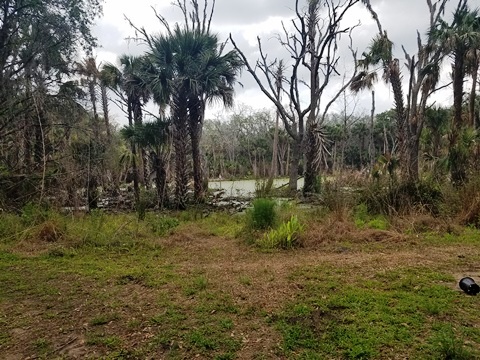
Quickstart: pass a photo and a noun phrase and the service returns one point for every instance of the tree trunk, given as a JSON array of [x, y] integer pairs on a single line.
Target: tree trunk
[[92, 197], [413, 149], [160, 178], [93, 99], [138, 120], [196, 117], [310, 145], [473, 93], [396, 81], [180, 144], [106, 115], [296, 154], [457, 158], [136, 188], [371, 145], [273, 166], [310, 166], [27, 144]]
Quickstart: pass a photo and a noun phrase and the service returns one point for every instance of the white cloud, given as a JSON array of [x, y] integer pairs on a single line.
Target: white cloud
[[248, 19]]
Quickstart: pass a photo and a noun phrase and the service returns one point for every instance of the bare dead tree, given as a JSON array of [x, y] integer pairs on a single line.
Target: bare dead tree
[[313, 46], [273, 167]]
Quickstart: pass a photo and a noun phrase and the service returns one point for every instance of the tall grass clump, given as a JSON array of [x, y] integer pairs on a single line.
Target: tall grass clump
[[365, 220], [462, 202], [10, 226], [286, 236], [161, 225], [395, 197], [262, 215], [146, 201], [339, 197], [35, 214]]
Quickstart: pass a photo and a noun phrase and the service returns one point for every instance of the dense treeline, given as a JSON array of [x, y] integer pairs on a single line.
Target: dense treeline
[[57, 142], [241, 145]]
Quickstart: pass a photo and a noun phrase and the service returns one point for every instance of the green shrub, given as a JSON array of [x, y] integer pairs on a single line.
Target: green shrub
[[364, 220], [402, 197], [162, 225], [361, 213], [146, 201], [10, 225], [285, 237], [34, 214], [262, 215]]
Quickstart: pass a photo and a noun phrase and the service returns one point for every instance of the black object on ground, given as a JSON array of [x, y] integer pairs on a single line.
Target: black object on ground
[[468, 285]]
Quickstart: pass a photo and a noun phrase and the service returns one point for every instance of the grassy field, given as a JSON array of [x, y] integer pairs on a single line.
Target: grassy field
[[187, 287]]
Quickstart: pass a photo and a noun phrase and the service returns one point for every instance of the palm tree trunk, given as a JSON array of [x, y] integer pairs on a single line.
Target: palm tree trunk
[[473, 93], [396, 81], [412, 155], [106, 115], [136, 189], [458, 77], [457, 157], [93, 99], [195, 128], [160, 178], [199, 190], [180, 144], [371, 141], [138, 119]]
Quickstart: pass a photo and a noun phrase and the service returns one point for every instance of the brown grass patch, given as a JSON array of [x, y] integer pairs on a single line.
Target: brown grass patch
[[422, 223], [49, 231], [471, 213], [332, 230], [40, 239]]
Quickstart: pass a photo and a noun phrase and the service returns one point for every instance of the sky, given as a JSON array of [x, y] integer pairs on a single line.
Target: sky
[[247, 19]]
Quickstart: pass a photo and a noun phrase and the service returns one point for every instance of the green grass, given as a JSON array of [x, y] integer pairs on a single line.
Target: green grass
[[362, 318], [123, 289]]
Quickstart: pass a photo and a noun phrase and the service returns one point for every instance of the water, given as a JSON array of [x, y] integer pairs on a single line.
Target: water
[[246, 188]]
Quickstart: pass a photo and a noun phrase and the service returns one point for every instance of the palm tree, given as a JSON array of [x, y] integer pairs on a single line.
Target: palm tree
[[129, 85], [457, 40], [88, 69], [216, 75], [472, 69], [155, 136], [105, 107], [188, 71], [423, 71], [380, 54]]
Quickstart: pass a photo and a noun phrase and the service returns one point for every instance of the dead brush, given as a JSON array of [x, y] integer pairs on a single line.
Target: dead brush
[[422, 222], [339, 198], [332, 230], [470, 215], [462, 204], [49, 231]]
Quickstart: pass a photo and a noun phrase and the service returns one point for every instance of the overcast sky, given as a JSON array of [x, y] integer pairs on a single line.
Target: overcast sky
[[247, 19]]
